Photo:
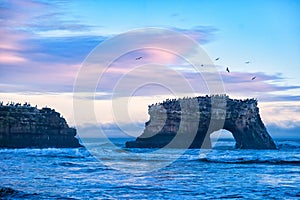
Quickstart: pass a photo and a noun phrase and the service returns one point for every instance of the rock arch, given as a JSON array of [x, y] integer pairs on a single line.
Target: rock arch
[[211, 113]]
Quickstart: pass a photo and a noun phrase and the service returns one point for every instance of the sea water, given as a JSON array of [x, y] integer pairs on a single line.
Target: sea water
[[223, 172]]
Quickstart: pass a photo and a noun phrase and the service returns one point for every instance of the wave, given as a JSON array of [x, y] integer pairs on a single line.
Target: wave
[[253, 161], [289, 144], [49, 152], [70, 164]]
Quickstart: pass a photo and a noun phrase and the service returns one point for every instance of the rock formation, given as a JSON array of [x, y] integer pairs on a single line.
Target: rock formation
[[188, 123], [23, 126]]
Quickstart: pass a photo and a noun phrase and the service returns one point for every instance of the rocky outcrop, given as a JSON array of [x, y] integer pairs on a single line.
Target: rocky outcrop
[[23, 126], [188, 123]]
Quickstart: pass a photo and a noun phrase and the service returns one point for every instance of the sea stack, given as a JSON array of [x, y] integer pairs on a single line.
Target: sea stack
[[188, 123], [24, 126]]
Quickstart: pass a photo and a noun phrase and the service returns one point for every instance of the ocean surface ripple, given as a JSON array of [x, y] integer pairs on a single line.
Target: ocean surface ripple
[[223, 172]]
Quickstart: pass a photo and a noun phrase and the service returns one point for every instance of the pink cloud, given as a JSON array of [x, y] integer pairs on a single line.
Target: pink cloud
[[237, 82], [8, 58], [22, 13], [11, 49], [11, 40]]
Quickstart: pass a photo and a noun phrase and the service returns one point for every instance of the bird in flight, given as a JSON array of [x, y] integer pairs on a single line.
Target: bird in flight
[[253, 78], [217, 58], [227, 69], [247, 62], [138, 58]]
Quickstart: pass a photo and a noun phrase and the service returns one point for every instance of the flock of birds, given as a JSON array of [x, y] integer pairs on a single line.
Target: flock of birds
[[227, 69]]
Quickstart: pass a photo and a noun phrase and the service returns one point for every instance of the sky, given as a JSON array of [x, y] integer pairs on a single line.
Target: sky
[[44, 45]]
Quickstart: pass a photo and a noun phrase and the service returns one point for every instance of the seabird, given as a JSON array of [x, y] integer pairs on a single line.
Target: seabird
[[247, 62], [202, 65], [138, 58], [217, 58], [227, 69], [253, 78]]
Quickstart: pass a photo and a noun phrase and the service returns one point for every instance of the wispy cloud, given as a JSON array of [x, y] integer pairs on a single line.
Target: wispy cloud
[[263, 83], [284, 114], [235, 83], [202, 34], [42, 49], [37, 62], [38, 16], [278, 97], [30, 62]]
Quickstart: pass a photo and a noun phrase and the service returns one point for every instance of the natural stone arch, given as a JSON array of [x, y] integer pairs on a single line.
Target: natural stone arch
[[240, 117]]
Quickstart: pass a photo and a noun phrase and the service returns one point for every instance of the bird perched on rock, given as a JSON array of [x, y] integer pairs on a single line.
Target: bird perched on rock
[[227, 69]]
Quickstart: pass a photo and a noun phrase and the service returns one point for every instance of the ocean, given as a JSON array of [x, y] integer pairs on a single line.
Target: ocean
[[109, 172]]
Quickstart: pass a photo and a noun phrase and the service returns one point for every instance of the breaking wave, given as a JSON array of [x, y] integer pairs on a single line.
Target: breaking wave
[[254, 161]]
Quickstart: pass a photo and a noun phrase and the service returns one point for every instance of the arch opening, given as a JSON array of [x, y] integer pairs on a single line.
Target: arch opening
[[222, 139]]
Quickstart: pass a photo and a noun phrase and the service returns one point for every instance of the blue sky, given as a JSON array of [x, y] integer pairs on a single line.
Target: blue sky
[[43, 44]]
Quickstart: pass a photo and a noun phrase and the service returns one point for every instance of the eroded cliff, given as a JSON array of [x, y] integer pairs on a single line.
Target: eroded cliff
[[188, 123], [23, 126]]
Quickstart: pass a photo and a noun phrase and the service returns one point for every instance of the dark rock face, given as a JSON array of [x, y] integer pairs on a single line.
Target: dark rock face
[[7, 192], [188, 123], [29, 127]]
